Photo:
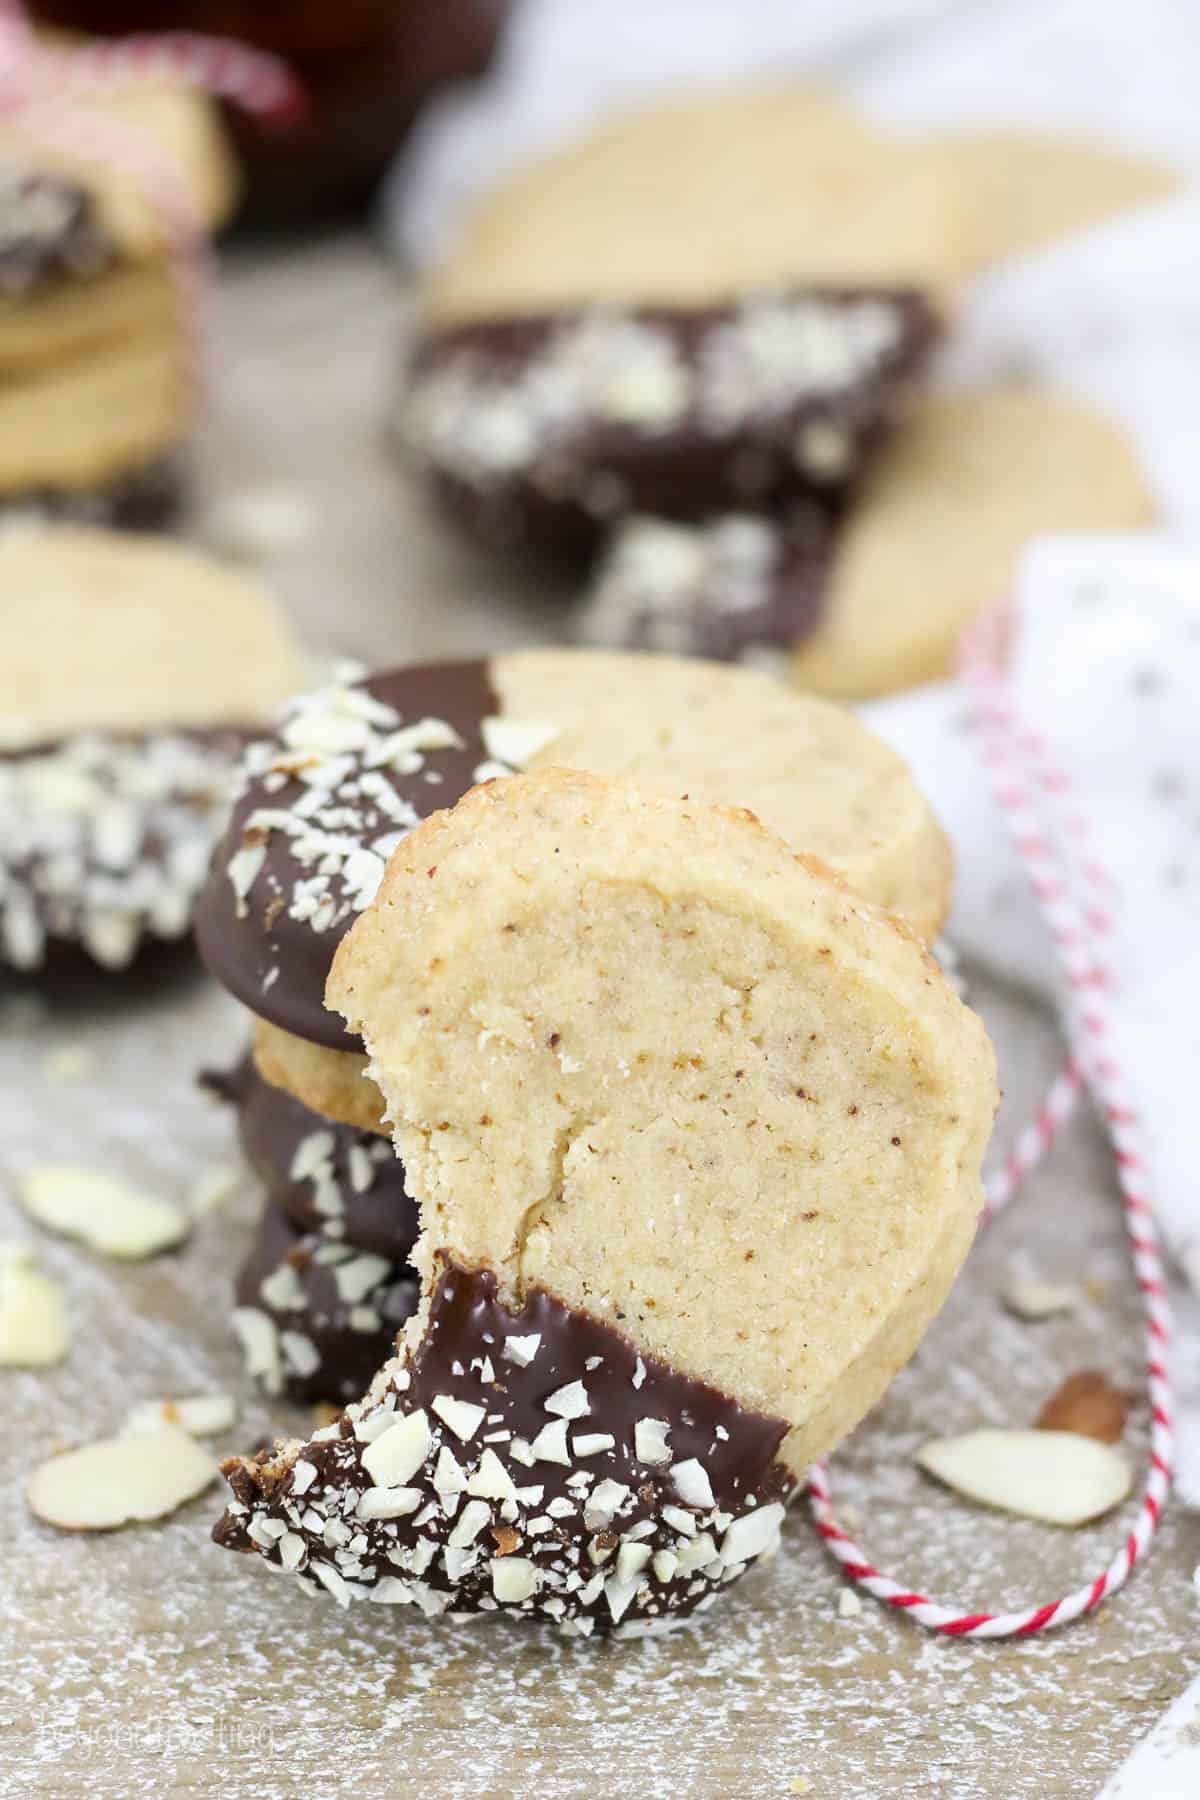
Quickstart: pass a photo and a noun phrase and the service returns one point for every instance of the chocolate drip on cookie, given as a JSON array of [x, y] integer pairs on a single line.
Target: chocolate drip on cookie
[[106, 840], [321, 808], [546, 429], [521, 1459], [327, 1178]]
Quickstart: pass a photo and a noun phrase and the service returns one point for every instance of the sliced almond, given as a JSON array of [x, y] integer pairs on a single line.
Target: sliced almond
[[214, 1188], [1040, 1299], [200, 1415], [1088, 1404], [102, 1211], [118, 1480], [1055, 1476], [33, 1315]]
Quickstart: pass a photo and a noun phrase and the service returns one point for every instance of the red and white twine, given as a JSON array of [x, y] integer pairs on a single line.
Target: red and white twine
[[53, 96], [1071, 888]]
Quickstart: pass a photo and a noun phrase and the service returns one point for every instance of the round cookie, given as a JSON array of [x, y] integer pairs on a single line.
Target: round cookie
[[694, 201], [355, 767], [314, 1316], [109, 633], [729, 590], [82, 424], [696, 1139], [935, 534], [54, 323], [132, 673], [543, 429], [325, 1178]]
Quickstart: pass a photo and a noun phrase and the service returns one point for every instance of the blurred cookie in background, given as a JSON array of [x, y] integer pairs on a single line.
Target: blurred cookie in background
[[878, 599], [732, 589], [133, 672], [1029, 190], [541, 430], [942, 519], [695, 201], [97, 377]]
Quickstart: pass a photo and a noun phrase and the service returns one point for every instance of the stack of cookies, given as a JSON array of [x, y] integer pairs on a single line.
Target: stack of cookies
[[695, 1133], [96, 362], [324, 802], [692, 347]]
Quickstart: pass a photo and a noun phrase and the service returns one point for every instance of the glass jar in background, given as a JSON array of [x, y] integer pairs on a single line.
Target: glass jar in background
[[367, 66]]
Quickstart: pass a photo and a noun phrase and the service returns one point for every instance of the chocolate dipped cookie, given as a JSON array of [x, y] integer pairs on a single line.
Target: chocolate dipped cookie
[[543, 430], [316, 1317], [937, 526], [695, 1134], [134, 673], [355, 767], [322, 1176]]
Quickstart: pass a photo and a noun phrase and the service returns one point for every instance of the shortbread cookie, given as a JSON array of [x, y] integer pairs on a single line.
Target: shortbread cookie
[[333, 1083], [109, 633], [543, 429], [179, 120], [935, 535], [696, 1138], [1029, 190], [729, 589], [51, 325], [693, 202], [95, 418], [356, 767], [314, 1316], [132, 675], [326, 1178]]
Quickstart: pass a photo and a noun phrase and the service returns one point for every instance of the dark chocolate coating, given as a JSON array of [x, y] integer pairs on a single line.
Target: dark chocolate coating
[[273, 1125], [584, 472], [330, 1345], [48, 231], [150, 498], [721, 611], [124, 859], [277, 964], [580, 1525]]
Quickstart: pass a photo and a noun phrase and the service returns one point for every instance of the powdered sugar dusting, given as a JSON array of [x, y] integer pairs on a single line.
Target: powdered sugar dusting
[[147, 1661]]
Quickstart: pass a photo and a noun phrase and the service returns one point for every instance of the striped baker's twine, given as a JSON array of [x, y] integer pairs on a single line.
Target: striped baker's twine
[[53, 97], [1018, 760]]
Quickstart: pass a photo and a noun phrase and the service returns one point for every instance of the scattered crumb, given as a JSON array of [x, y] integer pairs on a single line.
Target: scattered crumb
[[1040, 1299], [70, 1062], [1089, 1404], [33, 1317], [200, 1415], [262, 522], [214, 1188], [849, 1604]]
